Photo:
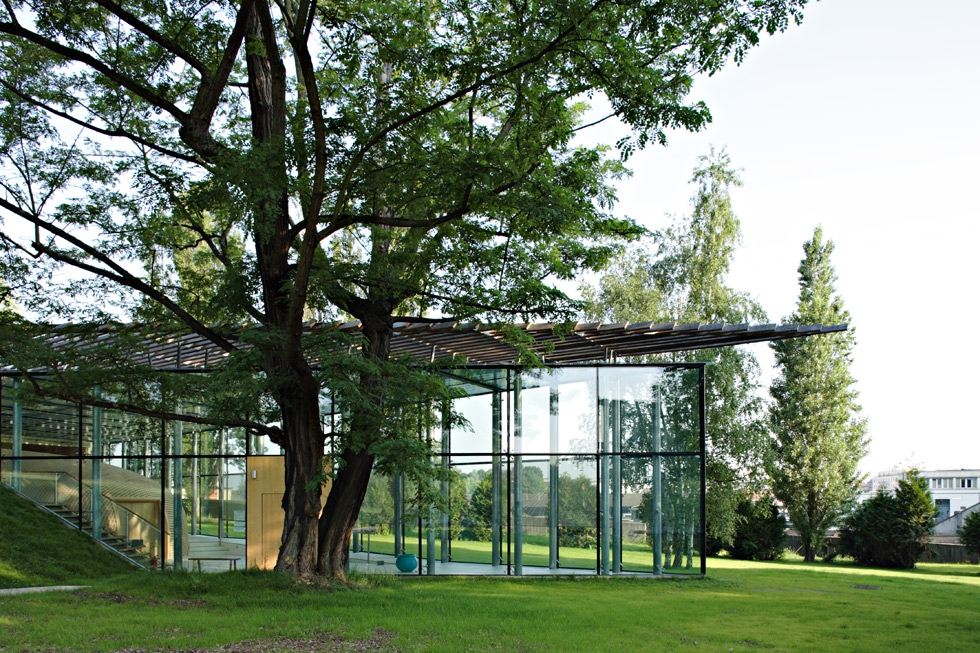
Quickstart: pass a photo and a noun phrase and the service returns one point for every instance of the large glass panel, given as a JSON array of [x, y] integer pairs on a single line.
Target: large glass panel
[[559, 410], [476, 435], [474, 519], [650, 409], [576, 513], [37, 426], [531, 479], [662, 516]]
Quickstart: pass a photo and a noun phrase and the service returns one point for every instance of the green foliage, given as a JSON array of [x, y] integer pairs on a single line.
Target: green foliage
[[819, 437], [576, 507], [576, 512], [36, 548], [481, 509], [276, 162], [761, 533], [378, 509], [532, 480], [890, 530], [969, 533], [679, 274]]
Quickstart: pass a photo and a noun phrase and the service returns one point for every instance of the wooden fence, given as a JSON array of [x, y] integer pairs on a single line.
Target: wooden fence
[[936, 551]]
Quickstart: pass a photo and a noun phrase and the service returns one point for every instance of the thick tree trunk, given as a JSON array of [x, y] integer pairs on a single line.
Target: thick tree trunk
[[341, 511], [809, 553], [284, 298], [350, 485], [303, 439]]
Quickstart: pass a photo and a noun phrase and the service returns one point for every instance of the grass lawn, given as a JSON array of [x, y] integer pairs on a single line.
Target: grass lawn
[[740, 606], [36, 548], [783, 606]]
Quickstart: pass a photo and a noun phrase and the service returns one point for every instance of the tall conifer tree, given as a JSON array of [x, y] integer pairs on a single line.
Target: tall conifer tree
[[819, 434]]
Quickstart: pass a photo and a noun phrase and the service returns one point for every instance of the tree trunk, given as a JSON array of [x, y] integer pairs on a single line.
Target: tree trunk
[[340, 514], [284, 298], [350, 485], [303, 441], [809, 553]]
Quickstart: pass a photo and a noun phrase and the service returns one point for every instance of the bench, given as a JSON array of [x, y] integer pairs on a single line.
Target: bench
[[232, 562], [357, 540]]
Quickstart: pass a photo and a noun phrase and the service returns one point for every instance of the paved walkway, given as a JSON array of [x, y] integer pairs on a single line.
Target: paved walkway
[[32, 590]]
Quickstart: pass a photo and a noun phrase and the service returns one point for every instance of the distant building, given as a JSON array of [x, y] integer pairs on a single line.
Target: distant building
[[953, 490]]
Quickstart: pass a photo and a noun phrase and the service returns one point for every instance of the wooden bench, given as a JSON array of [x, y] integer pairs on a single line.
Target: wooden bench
[[232, 562]]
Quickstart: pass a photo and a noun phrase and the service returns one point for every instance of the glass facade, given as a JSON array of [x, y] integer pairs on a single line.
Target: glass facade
[[568, 470], [585, 469], [160, 492]]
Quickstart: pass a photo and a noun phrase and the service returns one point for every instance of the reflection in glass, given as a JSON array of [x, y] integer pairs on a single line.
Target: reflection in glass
[[581, 469]]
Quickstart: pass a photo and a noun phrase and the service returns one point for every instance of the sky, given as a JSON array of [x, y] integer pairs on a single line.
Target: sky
[[862, 120]]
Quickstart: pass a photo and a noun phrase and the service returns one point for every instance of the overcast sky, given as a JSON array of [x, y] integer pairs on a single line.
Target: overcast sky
[[863, 120]]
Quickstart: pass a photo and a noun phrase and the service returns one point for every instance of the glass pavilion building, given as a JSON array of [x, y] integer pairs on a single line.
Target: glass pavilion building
[[580, 467]]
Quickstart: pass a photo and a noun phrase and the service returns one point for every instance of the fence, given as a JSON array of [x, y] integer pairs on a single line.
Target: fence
[[935, 551]]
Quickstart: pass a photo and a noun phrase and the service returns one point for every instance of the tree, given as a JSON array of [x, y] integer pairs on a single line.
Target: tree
[[481, 509], [819, 437], [379, 160], [889, 530], [576, 512], [761, 535], [969, 533], [679, 274]]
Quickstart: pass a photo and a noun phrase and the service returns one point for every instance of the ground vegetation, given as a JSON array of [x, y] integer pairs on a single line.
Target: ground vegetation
[[969, 533], [761, 531]]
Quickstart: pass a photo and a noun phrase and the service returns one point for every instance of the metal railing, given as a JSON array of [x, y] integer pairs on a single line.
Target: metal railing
[[62, 490]]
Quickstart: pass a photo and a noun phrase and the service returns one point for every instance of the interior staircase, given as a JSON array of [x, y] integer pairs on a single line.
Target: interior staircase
[[129, 550]]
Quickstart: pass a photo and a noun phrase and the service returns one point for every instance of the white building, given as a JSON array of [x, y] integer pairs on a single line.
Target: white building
[[953, 490]]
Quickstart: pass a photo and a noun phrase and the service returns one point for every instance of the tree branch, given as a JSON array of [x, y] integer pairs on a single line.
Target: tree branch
[[167, 43], [195, 129], [452, 97], [73, 54], [112, 133], [115, 273]]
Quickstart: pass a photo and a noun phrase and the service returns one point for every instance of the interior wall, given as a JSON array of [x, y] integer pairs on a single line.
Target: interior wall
[[265, 484]]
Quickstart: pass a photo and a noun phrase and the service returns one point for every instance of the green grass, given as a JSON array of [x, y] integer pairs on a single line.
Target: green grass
[[209, 526], [740, 606], [36, 548], [637, 556]]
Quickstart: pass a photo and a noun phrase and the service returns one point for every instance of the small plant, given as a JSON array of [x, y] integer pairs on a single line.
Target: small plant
[[970, 532]]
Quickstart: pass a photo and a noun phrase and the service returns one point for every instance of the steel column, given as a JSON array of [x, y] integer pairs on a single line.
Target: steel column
[[518, 481], [553, 479], [496, 510], [16, 467]]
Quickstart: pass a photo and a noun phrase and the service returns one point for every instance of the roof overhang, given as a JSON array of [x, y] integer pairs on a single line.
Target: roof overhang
[[477, 343]]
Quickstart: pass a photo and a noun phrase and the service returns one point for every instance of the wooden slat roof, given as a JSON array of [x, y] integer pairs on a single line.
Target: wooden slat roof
[[478, 343]]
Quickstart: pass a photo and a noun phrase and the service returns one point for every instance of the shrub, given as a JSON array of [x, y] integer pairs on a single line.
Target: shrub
[[970, 532], [760, 533], [890, 530]]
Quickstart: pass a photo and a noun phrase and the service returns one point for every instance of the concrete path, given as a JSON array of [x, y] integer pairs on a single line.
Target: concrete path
[[31, 590]]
